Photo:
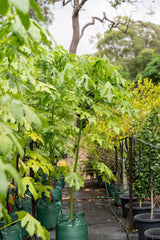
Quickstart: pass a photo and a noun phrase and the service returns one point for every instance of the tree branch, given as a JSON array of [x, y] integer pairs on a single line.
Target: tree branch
[[64, 3], [78, 7], [112, 24]]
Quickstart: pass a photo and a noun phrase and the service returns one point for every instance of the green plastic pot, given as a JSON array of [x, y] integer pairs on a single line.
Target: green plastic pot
[[113, 188], [61, 180], [47, 213], [117, 196], [12, 232], [56, 193], [72, 229]]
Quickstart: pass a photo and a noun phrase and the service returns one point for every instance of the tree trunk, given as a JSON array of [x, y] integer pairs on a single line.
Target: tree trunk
[[75, 26]]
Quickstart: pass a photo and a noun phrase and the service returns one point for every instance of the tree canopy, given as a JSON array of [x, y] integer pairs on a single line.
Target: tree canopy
[[152, 70], [131, 50], [79, 29]]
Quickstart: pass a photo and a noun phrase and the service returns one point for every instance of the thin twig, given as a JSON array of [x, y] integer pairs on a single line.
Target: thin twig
[[65, 3]]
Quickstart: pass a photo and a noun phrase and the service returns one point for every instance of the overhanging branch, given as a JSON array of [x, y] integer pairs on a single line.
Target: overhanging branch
[[112, 24], [64, 3]]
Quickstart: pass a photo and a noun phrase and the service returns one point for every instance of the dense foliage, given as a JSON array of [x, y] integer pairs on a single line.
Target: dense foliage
[[131, 50], [44, 91], [152, 70]]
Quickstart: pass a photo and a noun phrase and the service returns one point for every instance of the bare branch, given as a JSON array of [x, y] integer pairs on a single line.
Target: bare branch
[[65, 3], [78, 7], [82, 3], [112, 24]]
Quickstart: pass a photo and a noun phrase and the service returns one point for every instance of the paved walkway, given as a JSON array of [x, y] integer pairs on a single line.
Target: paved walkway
[[102, 225]]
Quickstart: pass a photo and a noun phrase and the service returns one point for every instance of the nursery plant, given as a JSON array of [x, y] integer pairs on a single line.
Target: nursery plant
[[146, 165], [48, 97], [20, 123]]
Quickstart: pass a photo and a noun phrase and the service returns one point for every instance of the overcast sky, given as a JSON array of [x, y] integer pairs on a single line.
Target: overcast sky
[[61, 29]]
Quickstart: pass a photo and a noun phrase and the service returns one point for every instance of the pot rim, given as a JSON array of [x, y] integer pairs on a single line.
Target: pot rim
[[145, 217], [145, 205], [150, 233], [126, 196]]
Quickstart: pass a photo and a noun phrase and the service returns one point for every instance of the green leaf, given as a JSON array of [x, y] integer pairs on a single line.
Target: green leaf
[[74, 180], [33, 226], [16, 142], [34, 31], [16, 109], [37, 161], [5, 144], [106, 91], [3, 185], [32, 117], [4, 5], [106, 173], [4, 181], [25, 19], [30, 181], [37, 9]]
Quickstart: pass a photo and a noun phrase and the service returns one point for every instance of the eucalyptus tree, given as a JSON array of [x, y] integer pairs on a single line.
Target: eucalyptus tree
[[78, 6], [133, 50], [152, 70]]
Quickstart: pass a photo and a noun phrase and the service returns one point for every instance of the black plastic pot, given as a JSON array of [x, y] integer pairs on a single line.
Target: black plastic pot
[[144, 222], [145, 208], [124, 200], [152, 234], [156, 210]]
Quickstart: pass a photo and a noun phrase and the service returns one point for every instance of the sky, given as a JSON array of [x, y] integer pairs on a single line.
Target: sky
[[61, 28]]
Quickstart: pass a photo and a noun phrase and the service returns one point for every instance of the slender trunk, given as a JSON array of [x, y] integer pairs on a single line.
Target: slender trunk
[[75, 169], [75, 36], [152, 203], [125, 183]]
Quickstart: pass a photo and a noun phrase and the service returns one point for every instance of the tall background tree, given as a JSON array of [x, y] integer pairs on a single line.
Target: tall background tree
[[79, 5], [131, 51], [152, 70]]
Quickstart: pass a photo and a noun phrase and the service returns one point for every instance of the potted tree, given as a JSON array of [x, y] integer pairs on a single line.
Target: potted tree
[[139, 191], [96, 97], [149, 172]]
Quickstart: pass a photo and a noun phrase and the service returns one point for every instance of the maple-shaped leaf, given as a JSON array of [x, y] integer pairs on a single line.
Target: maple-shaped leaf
[[74, 180], [33, 226]]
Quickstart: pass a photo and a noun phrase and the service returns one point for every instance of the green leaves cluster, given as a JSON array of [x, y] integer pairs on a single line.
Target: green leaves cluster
[[131, 51], [42, 91], [146, 165], [21, 7]]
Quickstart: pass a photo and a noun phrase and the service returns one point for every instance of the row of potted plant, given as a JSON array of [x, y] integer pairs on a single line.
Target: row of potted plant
[[48, 97], [146, 152]]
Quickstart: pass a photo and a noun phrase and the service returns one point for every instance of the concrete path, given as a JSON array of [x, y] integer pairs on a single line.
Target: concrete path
[[102, 225]]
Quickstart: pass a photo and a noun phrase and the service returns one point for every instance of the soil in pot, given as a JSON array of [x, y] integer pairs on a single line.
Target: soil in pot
[[124, 200], [145, 208], [152, 234], [144, 222]]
